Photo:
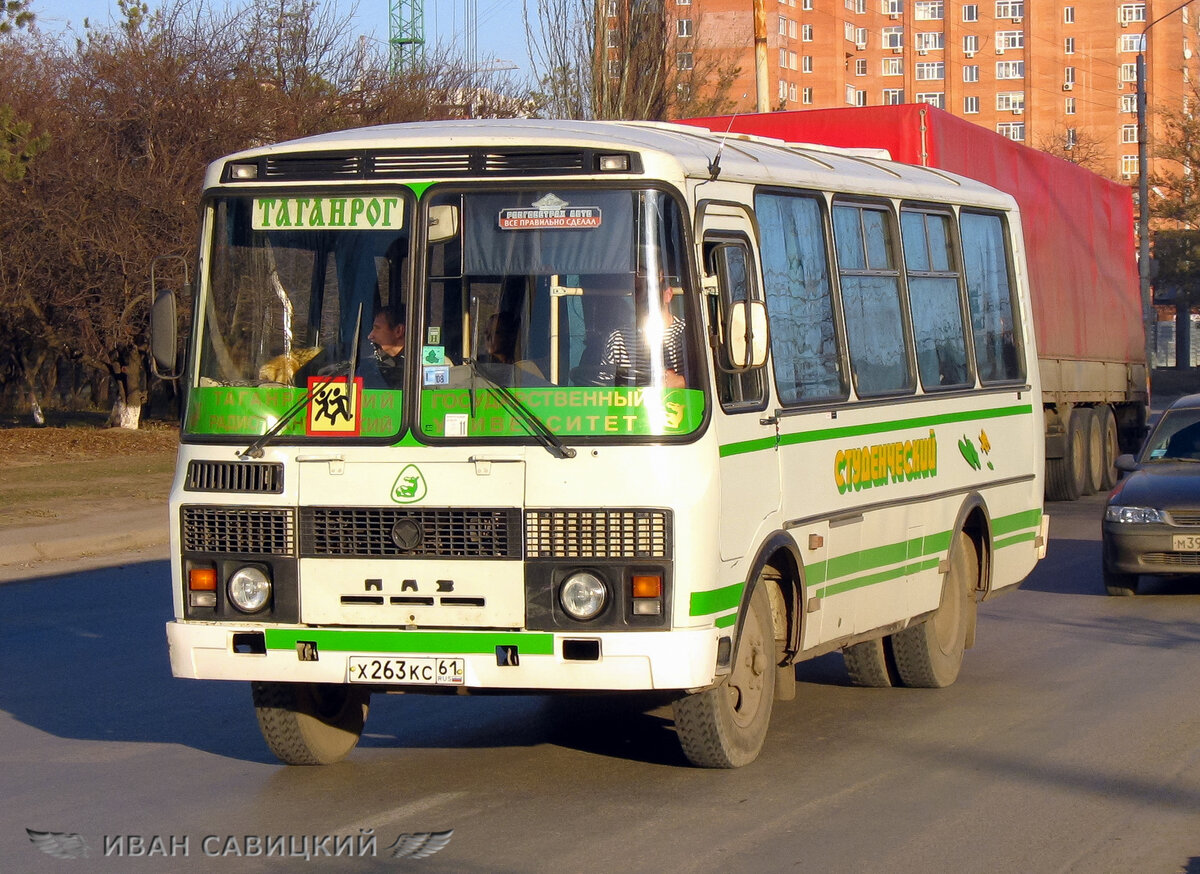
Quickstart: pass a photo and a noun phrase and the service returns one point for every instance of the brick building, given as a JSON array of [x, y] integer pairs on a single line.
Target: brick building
[[1051, 74]]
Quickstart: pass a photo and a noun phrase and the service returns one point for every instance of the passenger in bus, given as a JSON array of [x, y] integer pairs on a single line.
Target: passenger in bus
[[385, 368], [627, 356]]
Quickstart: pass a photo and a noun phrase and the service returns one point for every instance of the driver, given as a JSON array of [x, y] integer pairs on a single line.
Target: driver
[[385, 368], [629, 348]]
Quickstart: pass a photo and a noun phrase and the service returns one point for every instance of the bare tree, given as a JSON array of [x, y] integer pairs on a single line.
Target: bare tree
[[1077, 146], [134, 113], [620, 59]]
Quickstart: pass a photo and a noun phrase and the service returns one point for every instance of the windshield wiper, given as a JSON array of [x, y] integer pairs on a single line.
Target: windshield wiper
[[255, 449], [535, 426]]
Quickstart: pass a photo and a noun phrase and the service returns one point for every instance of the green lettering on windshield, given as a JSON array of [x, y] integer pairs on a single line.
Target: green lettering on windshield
[[568, 412]]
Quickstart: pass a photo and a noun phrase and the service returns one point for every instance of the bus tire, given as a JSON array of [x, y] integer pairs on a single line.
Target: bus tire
[[310, 723], [1095, 452], [725, 726], [1065, 476], [929, 654], [871, 664], [1112, 447], [1120, 585]]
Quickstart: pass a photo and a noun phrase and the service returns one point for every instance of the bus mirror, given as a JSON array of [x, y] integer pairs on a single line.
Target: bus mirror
[[164, 335], [443, 223], [746, 334], [164, 320]]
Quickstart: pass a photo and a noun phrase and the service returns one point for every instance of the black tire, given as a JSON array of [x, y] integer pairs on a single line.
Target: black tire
[[872, 664], [1112, 447], [725, 726], [1065, 476], [310, 723], [1120, 585], [1094, 481], [929, 654]]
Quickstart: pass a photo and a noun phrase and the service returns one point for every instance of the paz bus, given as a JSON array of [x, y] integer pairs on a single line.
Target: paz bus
[[669, 411]]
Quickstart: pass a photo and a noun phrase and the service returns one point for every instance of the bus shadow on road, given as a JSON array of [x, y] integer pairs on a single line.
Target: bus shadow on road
[[85, 658]]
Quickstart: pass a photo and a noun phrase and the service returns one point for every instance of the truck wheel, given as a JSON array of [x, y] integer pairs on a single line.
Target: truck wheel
[[1112, 447], [871, 664], [929, 655], [310, 723], [725, 726], [1120, 585], [1095, 452], [1065, 476]]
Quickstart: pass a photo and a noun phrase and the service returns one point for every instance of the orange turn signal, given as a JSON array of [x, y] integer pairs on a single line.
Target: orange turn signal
[[647, 586], [202, 579]]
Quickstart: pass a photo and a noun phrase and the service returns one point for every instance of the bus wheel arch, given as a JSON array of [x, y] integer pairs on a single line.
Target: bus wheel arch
[[725, 725], [929, 654]]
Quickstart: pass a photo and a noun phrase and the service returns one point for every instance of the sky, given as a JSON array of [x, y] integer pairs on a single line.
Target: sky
[[500, 34]]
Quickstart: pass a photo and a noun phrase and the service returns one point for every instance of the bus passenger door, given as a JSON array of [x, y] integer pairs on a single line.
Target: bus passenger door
[[749, 472]]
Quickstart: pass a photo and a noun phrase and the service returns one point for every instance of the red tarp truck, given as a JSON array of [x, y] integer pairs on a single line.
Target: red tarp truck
[[1079, 243]]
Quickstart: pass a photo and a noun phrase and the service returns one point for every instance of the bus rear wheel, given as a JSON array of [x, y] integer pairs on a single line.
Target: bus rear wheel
[[725, 726], [310, 723], [872, 664], [929, 655]]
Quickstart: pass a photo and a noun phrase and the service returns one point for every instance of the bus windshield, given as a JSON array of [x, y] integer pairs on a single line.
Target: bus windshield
[[568, 305], [290, 282]]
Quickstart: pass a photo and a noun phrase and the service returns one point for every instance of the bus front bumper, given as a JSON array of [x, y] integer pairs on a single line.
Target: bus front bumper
[[683, 659]]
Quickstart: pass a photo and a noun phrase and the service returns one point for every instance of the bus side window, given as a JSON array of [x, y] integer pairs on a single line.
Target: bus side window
[[731, 263], [990, 295], [871, 300], [934, 300], [805, 350]]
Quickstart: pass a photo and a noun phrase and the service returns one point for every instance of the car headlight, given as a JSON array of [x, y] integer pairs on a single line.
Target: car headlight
[[583, 595], [1118, 513], [249, 589]]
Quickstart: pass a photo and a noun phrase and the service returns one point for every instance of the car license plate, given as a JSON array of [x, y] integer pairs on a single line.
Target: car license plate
[[1185, 542], [419, 671]]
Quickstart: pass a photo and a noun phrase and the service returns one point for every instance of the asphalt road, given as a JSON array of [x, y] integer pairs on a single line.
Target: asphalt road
[[1070, 743]]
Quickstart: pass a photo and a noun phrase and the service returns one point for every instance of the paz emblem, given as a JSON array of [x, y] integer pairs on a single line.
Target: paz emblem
[[410, 486]]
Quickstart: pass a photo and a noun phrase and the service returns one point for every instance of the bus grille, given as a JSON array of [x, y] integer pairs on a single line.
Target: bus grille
[[425, 163], [239, 531], [234, 476], [427, 532], [598, 533]]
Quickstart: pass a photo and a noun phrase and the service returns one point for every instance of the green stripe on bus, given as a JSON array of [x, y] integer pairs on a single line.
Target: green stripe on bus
[[440, 642], [881, 577], [761, 444], [852, 564], [1013, 541], [1015, 522], [716, 600], [725, 621]]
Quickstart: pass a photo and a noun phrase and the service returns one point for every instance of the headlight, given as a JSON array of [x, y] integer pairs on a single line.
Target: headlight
[[1117, 513], [583, 595], [249, 589]]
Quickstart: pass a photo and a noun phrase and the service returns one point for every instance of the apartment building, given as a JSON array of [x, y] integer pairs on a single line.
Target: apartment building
[[1054, 75]]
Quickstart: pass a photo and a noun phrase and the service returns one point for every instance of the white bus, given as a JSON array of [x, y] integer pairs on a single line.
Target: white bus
[[672, 412]]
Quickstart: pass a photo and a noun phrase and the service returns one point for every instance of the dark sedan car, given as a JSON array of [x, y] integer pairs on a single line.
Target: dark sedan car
[[1152, 519]]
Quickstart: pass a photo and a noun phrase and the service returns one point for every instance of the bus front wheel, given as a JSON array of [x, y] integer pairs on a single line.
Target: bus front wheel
[[929, 654], [310, 723], [725, 726]]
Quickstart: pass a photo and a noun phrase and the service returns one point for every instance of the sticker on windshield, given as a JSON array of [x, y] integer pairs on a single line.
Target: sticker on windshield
[[333, 407], [439, 375], [550, 211], [326, 213]]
